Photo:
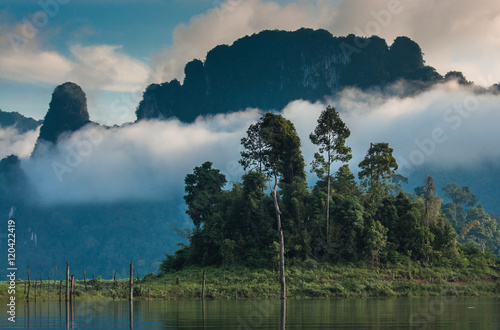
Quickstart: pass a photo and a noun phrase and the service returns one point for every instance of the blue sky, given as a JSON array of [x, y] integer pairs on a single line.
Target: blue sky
[[114, 49]]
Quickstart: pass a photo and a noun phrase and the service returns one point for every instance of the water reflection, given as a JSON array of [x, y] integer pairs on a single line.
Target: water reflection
[[131, 314], [437, 313], [203, 312], [283, 314]]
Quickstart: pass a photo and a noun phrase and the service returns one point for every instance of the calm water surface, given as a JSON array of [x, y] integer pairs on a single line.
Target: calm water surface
[[402, 313]]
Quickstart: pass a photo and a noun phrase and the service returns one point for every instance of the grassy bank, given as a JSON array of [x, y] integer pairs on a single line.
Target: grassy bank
[[307, 280]]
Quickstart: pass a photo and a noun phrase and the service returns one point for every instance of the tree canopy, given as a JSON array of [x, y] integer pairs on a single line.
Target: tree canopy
[[369, 221]]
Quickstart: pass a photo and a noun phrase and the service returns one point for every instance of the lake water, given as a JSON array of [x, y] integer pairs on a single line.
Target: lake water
[[417, 313]]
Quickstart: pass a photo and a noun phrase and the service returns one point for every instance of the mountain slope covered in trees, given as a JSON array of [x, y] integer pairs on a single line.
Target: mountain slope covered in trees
[[272, 68], [20, 122]]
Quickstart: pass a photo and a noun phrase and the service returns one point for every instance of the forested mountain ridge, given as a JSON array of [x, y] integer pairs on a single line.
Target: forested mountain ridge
[[272, 68], [18, 121]]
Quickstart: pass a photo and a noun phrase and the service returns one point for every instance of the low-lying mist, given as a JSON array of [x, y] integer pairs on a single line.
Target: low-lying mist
[[444, 128]]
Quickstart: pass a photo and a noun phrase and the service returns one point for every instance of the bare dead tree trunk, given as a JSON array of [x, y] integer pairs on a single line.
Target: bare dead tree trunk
[[131, 284], [72, 287], [280, 238], [203, 286], [328, 209]]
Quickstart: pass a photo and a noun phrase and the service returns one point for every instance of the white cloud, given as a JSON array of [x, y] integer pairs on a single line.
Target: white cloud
[[34, 67], [13, 143], [21, 58], [447, 127], [105, 67], [97, 67], [149, 160], [144, 161]]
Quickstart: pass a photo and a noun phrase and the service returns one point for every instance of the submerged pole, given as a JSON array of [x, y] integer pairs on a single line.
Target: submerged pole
[[203, 286], [131, 284], [72, 287]]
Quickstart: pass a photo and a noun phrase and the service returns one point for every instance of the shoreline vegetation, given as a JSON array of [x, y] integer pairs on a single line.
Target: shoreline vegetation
[[309, 280]]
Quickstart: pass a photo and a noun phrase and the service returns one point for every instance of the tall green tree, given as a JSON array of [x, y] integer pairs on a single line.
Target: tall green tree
[[349, 228], [282, 158], [376, 241], [375, 173], [203, 187], [378, 165], [432, 202], [330, 135], [460, 195], [484, 234], [203, 197], [254, 155], [415, 238], [255, 228], [461, 199]]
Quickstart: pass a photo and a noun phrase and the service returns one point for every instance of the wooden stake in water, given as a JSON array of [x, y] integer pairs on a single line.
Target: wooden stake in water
[[203, 286], [131, 284], [72, 287]]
